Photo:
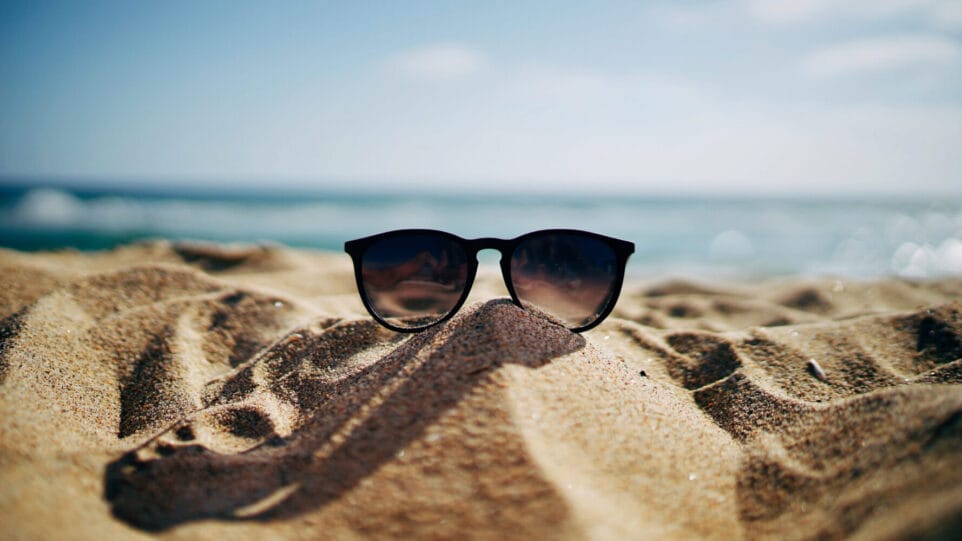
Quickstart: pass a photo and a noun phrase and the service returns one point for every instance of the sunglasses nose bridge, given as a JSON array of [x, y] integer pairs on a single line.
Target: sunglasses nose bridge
[[489, 243], [503, 247]]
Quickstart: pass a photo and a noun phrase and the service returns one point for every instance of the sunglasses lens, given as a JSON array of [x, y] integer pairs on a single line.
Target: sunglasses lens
[[414, 280], [566, 275]]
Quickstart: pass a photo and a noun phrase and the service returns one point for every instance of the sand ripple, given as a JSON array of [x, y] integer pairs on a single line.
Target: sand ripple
[[197, 390]]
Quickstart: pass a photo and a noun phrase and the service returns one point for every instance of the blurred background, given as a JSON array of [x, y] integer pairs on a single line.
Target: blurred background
[[743, 138]]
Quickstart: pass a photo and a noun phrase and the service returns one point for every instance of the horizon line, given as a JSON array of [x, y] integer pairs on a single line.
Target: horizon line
[[282, 188]]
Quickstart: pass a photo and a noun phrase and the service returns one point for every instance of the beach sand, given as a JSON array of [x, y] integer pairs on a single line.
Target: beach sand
[[189, 391]]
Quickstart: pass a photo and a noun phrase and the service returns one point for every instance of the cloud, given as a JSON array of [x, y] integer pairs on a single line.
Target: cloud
[[882, 54], [438, 61], [943, 13], [947, 14], [785, 11]]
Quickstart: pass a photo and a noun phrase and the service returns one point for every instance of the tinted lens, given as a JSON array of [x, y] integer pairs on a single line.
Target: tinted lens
[[569, 276], [413, 280]]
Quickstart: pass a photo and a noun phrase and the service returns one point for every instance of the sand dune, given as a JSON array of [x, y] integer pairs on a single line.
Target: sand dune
[[196, 391]]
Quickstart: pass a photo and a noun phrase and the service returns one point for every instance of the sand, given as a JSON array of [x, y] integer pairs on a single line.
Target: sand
[[208, 392]]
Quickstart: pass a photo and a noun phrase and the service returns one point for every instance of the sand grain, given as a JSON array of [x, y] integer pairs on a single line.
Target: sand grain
[[199, 391]]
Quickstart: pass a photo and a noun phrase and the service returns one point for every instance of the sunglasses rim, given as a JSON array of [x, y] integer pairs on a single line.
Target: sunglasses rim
[[622, 249]]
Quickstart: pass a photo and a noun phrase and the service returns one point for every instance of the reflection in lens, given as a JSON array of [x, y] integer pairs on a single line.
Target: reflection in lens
[[565, 275], [414, 279]]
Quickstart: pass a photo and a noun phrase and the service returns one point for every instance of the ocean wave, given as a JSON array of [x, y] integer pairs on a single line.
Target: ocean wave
[[693, 237]]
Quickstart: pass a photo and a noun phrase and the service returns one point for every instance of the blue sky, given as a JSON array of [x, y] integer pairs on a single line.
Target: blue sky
[[752, 96]]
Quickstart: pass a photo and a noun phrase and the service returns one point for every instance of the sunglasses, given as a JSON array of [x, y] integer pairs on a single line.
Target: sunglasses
[[412, 279]]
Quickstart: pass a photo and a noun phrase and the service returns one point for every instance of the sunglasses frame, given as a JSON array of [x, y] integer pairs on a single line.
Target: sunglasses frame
[[622, 249]]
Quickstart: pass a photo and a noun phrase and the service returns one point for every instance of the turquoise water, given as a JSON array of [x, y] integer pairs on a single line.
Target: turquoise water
[[721, 237]]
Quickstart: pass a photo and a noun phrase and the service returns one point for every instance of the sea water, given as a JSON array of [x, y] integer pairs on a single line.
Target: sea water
[[674, 236]]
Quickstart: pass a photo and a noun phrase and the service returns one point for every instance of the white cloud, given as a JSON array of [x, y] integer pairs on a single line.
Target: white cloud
[[882, 54], [947, 14], [438, 61], [785, 11], [944, 13]]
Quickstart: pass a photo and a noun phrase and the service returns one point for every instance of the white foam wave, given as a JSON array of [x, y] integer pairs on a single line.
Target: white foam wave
[[912, 260], [850, 239], [56, 209]]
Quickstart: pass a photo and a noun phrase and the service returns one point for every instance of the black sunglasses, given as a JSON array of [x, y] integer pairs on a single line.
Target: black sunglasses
[[412, 279]]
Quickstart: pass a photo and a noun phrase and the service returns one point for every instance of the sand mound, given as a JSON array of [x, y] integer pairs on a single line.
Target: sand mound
[[207, 391]]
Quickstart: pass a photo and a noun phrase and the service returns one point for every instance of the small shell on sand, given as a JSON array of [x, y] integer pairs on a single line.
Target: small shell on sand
[[815, 369]]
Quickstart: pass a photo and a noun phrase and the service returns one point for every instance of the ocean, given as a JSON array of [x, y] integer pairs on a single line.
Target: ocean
[[718, 237]]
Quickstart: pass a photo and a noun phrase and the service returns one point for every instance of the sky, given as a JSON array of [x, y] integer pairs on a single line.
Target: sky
[[767, 97]]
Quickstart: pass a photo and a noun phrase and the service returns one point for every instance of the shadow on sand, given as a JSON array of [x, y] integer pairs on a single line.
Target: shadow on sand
[[345, 422]]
